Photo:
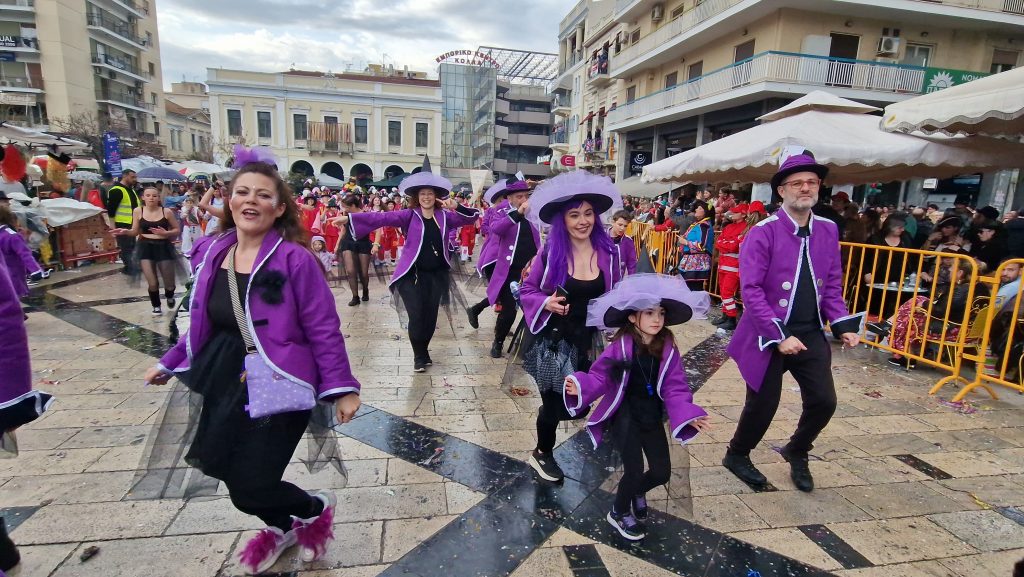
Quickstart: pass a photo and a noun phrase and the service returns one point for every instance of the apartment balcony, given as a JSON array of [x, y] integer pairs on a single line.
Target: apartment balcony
[[500, 132], [26, 84], [597, 75], [770, 74], [559, 141], [501, 107], [17, 6], [499, 165], [108, 62], [22, 44], [118, 30], [560, 106], [566, 71], [139, 8], [630, 10], [528, 168], [124, 100], [536, 140]]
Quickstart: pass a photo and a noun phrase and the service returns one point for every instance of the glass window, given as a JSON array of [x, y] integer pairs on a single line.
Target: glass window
[[263, 124], [394, 133], [152, 69], [634, 36], [234, 123], [696, 69], [156, 128], [631, 94], [422, 133], [917, 54], [193, 135], [299, 126], [1003, 60], [361, 131], [670, 79]]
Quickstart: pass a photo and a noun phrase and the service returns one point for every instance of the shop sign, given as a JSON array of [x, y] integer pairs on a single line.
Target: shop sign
[[545, 159], [8, 57], [936, 79], [18, 98], [470, 57], [638, 160], [112, 154], [569, 160], [9, 41]]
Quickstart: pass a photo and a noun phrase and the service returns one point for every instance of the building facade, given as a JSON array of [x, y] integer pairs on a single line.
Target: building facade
[[63, 58], [369, 124], [523, 130], [468, 129], [188, 122]]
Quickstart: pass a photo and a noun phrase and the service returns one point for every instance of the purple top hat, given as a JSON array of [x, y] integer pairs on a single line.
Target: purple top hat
[[644, 291], [426, 179], [803, 162], [552, 195], [502, 188]]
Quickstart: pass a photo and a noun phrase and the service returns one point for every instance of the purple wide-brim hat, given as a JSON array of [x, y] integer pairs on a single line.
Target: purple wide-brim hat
[[639, 292], [502, 188], [412, 184], [798, 163], [552, 195]]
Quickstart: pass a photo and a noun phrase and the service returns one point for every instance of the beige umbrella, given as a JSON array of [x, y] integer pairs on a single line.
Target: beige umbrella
[[993, 105]]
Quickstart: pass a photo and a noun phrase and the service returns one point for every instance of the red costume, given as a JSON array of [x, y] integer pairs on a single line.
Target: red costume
[[467, 237], [728, 245], [330, 230]]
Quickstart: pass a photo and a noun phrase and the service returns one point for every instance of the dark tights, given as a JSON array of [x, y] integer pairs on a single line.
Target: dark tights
[[639, 442], [165, 269], [349, 260], [552, 412]]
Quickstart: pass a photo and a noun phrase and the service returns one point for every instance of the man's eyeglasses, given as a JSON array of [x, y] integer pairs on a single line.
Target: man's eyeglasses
[[798, 184]]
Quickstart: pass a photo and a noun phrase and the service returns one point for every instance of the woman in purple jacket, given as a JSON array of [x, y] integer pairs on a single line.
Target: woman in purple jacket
[[291, 315], [579, 262], [422, 278], [640, 377]]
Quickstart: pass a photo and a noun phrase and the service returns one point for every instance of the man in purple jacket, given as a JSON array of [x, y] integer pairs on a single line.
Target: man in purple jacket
[[791, 281]]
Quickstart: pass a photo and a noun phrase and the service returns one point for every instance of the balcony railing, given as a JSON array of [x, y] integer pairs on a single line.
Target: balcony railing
[[118, 27], [123, 98], [15, 82], [558, 137], [1012, 6], [18, 3], [120, 64], [686, 21], [783, 67]]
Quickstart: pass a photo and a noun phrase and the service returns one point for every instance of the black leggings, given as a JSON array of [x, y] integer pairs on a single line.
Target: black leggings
[[812, 370], [150, 270], [351, 260], [552, 412], [507, 314], [639, 442], [256, 467], [421, 293]]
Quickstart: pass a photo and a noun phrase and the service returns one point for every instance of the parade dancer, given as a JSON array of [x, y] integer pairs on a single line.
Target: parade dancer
[[262, 310], [15, 253], [156, 228], [639, 377], [624, 244], [422, 275], [578, 263], [489, 250], [791, 280], [517, 241], [728, 245]]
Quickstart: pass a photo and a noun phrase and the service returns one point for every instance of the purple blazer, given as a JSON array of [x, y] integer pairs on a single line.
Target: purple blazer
[[18, 258], [410, 220], [299, 338], [538, 288], [19, 404], [505, 238], [627, 254], [672, 388], [770, 259], [489, 251]]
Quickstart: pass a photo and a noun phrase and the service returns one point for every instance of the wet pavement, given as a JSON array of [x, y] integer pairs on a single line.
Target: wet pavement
[[438, 483]]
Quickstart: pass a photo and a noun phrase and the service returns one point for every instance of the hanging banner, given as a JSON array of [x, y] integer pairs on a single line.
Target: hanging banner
[[112, 154]]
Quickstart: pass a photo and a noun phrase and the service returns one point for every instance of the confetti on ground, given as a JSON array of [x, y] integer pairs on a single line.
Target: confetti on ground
[[520, 391], [873, 394], [979, 502], [430, 459], [962, 407]]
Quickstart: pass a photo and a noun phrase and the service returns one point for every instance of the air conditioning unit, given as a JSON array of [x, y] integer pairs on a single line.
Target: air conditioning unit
[[657, 13], [888, 45], [5, 82]]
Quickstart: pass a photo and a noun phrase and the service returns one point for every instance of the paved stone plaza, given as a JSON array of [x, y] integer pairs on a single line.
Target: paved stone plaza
[[907, 486]]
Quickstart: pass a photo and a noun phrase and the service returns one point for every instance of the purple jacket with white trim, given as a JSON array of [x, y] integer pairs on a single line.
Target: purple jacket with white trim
[[672, 388], [538, 287], [489, 251], [410, 220], [299, 338], [770, 260], [15, 252], [504, 235], [627, 254]]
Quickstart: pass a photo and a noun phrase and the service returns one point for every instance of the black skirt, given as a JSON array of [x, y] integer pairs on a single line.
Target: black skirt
[[155, 250], [361, 246]]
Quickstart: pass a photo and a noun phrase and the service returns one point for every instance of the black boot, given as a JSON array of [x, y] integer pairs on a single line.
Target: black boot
[[366, 294], [800, 471], [9, 556], [419, 357], [729, 324], [473, 313], [742, 467], [496, 347]]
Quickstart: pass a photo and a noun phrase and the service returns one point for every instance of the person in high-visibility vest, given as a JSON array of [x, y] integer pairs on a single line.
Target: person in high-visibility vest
[[121, 201]]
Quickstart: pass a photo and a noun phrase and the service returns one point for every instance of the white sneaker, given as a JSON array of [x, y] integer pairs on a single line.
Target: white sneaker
[[314, 534], [263, 550]]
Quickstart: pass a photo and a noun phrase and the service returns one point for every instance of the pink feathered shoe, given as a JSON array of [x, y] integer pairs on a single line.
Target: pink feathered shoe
[[263, 550], [315, 533]]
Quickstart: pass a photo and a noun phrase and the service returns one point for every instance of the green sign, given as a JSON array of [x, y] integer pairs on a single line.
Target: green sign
[[936, 79]]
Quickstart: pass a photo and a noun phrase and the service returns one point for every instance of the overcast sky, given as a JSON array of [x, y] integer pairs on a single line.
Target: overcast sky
[[275, 35]]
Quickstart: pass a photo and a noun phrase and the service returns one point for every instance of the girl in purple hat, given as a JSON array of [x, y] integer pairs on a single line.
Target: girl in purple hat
[[579, 262], [639, 377]]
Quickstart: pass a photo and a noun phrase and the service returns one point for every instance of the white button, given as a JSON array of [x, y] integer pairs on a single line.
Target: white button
[[508, 258], [820, 282], [512, 247], [783, 303], [787, 285]]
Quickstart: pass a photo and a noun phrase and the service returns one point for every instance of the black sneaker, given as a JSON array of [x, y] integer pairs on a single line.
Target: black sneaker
[[721, 319], [744, 469], [170, 302], [9, 556], [902, 362], [496, 349], [627, 525], [157, 311], [728, 325], [419, 365], [800, 472], [882, 329], [474, 317], [640, 507], [355, 301], [429, 362], [546, 467]]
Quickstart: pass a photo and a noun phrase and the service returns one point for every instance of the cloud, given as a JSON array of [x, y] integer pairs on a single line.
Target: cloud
[[275, 35]]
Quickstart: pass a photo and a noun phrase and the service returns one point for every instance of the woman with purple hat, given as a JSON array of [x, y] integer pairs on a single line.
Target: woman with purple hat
[[489, 250], [422, 275], [578, 262], [639, 377], [516, 241]]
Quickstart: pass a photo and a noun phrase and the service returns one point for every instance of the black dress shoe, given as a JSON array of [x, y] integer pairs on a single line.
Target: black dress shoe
[[9, 556], [366, 295], [496, 349], [721, 319], [728, 325], [419, 365], [800, 472], [474, 317], [355, 301], [744, 469]]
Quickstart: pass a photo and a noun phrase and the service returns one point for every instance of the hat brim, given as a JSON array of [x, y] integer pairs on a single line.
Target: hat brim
[[950, 221], [600, 202], [676, 313], [441, 193], [819, 169]]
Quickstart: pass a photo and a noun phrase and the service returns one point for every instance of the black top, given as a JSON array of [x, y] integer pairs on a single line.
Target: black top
[[581, 292], [803, 317], [431, 255], [222, 313], [145, 225], [641, 399], [525, 247]]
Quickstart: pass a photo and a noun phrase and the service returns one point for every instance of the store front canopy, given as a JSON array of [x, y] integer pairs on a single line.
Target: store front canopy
[[633, 186], [851, 144], [29, 137], [993, 105]]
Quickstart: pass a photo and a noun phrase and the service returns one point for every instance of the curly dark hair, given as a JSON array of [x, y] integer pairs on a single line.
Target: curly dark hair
[[288, 224]]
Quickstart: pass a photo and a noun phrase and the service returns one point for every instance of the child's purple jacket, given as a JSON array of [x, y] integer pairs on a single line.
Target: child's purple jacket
[[672, 388]]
